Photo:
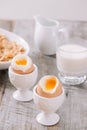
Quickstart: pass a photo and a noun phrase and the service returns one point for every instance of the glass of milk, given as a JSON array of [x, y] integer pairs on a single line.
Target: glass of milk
[[72, 63]]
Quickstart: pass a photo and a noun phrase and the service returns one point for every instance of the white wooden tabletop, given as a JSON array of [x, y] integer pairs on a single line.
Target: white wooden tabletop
[[15, 115]]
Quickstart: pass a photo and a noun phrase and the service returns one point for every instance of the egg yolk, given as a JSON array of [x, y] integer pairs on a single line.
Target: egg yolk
[[50, 84], [21, 62]]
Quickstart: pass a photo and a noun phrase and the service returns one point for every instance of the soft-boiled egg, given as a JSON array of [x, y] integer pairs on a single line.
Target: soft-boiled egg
[[49, 83], [21, 62]]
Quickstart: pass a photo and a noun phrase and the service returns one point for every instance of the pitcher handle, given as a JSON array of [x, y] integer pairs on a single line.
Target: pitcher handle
[[63, 35]]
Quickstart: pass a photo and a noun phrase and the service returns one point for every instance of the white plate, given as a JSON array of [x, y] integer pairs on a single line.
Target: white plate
[[13, 37]]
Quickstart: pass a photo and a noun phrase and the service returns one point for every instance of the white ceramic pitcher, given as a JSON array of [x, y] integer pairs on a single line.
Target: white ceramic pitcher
[[46, 34]]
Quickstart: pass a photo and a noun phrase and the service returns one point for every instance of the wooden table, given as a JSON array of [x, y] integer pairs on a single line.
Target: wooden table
[[15, 115]]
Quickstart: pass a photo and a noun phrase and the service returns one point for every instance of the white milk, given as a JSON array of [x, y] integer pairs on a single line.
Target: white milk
[[72, 59]]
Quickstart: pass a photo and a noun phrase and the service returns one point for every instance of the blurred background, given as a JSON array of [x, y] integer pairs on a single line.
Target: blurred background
[[57, 9]]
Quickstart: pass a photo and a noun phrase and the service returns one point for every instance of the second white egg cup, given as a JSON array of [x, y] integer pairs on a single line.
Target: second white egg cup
[[23, 82], [48, 106]]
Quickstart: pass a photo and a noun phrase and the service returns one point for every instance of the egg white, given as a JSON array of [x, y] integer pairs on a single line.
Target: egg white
[[43, 81], [21, 67]]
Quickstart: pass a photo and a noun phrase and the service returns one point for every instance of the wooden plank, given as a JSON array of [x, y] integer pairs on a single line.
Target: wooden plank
[[3, 75], [6, 24], [2, 88]]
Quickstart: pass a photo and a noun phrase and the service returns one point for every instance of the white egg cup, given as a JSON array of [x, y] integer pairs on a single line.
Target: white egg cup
[[23, 82], [48, 106]]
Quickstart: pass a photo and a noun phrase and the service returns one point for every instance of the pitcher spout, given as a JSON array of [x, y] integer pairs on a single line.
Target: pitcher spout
[[45, 21], [36, 18]]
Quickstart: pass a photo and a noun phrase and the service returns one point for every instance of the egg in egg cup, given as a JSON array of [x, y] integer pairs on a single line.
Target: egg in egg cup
[[50, 102], [23, 75]]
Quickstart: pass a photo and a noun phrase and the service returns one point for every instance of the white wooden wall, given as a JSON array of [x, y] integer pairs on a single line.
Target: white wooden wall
[[58, 9]]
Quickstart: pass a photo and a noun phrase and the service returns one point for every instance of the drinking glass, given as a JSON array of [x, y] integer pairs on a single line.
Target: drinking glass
[[72, 63]]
